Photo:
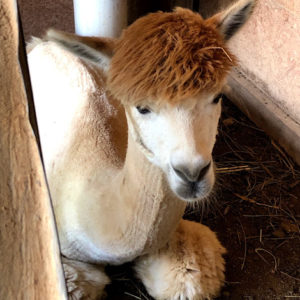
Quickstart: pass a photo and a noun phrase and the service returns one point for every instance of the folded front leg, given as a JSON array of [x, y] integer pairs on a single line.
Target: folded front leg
[[84, 280], [190, 266]]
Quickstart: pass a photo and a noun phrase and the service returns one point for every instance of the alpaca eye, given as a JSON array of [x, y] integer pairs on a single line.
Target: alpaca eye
[[217, 99], [143, 110]]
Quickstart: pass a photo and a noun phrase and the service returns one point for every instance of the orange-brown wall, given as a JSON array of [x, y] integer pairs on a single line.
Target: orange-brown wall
[[39, 15]]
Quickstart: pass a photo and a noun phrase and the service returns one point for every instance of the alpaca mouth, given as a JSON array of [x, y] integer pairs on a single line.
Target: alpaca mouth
[[193, 191]]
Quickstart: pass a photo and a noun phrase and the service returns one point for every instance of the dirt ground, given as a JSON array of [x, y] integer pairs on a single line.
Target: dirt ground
[[255, 211]]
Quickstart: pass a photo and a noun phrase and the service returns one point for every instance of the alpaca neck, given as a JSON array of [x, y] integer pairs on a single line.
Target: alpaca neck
[[153, 208], [139, 177], [121, 213]]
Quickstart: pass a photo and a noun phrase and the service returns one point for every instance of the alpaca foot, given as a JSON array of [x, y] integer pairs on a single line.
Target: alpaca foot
[[84, 280], [190, 266]]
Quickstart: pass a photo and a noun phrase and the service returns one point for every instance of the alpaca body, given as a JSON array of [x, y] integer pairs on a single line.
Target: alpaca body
[[135, 216]]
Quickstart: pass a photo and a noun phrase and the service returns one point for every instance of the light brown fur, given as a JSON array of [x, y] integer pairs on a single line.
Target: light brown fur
[[168, 57], [192, 258]]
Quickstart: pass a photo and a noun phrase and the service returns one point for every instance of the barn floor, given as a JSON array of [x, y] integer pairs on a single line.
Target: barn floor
[[255, 211]]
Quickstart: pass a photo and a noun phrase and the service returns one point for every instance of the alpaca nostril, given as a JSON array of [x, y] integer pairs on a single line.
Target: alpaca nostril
[[193, 175], [203, 172], [180, 174]]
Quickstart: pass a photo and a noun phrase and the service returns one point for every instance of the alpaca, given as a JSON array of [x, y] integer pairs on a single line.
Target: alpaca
[[127, 131]]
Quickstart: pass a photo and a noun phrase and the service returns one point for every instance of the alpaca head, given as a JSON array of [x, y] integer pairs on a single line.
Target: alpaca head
[[168, 70]]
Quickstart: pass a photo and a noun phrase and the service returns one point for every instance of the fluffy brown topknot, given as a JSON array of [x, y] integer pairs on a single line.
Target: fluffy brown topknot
[[168, 57]]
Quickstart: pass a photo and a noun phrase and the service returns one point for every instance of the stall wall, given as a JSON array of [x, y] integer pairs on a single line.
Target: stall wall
[[29, 253], [266, 84], [269, 52], [39, 15]]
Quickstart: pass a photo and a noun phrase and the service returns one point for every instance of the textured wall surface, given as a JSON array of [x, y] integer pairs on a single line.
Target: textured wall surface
[[29, 254], [269, 51], [268, 48], [39, 15]]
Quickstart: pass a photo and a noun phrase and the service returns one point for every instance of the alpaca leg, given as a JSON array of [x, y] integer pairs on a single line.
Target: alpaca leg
[[190, 266], [84, 280]]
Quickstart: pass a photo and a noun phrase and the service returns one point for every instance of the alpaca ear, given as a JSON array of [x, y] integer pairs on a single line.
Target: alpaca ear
[[229, 21], [93, 49]]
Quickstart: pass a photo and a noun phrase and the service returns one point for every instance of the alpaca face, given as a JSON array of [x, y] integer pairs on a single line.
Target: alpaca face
[[180, 140]]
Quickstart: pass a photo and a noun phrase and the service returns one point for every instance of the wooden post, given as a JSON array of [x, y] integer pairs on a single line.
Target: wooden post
[[29, 253]]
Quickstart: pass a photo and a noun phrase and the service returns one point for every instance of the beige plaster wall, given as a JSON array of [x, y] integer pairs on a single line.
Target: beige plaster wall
[[268, 48]]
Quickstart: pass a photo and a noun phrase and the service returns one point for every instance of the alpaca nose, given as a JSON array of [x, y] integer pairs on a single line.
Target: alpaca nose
[[192, 174]]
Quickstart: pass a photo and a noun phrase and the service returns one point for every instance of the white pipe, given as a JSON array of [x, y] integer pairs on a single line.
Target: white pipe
[[100, 17]]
